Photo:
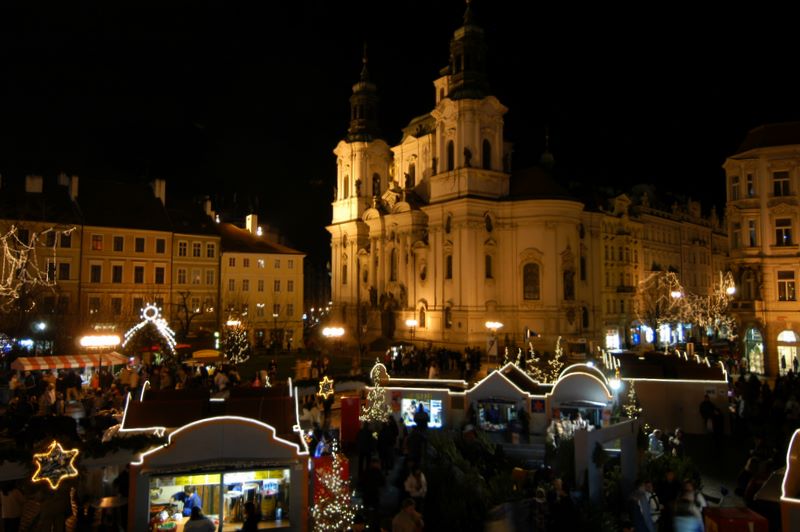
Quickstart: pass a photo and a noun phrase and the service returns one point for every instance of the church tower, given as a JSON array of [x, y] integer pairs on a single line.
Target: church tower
[[469, 123], [362, 162]]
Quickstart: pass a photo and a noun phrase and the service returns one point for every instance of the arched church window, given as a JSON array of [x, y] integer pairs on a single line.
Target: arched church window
[[488, 266], [451, 156], [344, 273], [393, 265], [346, 191], [448, 267], [530, 282], [376, 185], [421, 317], [486, 157]]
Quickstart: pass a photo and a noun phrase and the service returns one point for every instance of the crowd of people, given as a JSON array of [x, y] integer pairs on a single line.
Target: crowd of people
[[432, 363]]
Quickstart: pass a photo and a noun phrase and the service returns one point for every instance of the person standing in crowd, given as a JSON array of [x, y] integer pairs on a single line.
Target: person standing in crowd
[[417, 486], [407, 519], [639, 509], [198, 522], [707, 413]]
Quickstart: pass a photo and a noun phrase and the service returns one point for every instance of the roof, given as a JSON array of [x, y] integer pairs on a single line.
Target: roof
[[190, 218], [769, 135], [427, 384], [521, 379], [536, 182], [53, 204], [175, 408], [658, 365], [124, 205], [237, 239]]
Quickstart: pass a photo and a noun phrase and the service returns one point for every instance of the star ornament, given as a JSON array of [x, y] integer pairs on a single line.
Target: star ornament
[[325, 387], [55, 465]]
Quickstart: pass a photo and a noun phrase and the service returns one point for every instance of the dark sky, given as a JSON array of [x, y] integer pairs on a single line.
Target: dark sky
[[221, 100]]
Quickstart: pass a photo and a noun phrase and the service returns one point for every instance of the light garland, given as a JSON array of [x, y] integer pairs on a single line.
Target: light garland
[[632, 408], [19, 263], [334, 511], [151, 314], [236, 347], [55, 465], [325, 387], [376, 408], [539, 370]]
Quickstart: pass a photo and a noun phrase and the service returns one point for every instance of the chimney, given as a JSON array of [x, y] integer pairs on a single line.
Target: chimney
[[160, 190], [252, 223], [33, 184], [207, 208], [73, 187], [63, 180]]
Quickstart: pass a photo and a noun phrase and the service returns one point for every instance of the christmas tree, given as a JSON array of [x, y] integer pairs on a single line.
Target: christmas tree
[[632, 408], [236, 347], [334, 510], [376, 407]]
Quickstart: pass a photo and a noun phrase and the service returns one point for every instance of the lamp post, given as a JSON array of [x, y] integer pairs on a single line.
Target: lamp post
[[492, 326], [334, 333], [412, 324], [274, 328]]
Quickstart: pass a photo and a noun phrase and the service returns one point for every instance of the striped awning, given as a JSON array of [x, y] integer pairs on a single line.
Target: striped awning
[[69, 361]]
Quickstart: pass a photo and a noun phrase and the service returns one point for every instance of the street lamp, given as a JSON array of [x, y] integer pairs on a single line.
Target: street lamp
[[411, 324], [335, 333], [493, 326]]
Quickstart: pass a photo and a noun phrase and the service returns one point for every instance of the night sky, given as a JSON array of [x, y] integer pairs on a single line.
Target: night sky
[[223, 101]]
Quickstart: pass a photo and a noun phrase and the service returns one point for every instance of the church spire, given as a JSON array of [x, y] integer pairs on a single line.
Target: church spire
[[363, 107], [467, 67]]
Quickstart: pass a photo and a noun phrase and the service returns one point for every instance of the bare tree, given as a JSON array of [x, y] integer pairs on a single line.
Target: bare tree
[[185, 313]]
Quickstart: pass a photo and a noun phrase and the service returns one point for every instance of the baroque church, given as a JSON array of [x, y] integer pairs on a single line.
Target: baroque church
[[435, 239]]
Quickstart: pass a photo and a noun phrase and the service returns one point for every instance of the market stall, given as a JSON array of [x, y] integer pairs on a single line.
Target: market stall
[[93, 360]]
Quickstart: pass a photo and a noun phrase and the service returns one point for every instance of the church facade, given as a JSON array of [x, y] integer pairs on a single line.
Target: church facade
[[436, 240]]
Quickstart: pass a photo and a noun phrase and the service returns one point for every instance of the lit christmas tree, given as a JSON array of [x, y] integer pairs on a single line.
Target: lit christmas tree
[[236, 347], [545, 372], [632, 408], [376, 408], [334, 510]]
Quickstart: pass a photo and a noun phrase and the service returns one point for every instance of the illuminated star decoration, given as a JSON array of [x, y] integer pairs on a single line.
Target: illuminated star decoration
[[152, 314], [325, 387], [55, 465]]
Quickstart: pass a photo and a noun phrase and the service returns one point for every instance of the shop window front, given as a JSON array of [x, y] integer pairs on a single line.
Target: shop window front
[[754, 349], [787, 352], [222, 498]]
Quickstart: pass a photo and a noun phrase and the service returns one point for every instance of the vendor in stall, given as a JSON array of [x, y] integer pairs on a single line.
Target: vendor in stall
[[189, 498]]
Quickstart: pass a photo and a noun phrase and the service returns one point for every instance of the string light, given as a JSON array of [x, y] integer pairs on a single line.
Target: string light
[[544, 372], [152, 314], [236, 346], [376, 408], [54, 465], [325, 387]]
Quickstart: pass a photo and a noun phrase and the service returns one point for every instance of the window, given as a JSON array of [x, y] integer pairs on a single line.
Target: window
[[486, 158], [231, 285], [277, 264], [161, 245], [290, 309], [786, 291], [734, 187], [736, 235], [232, 262], [260, 286], [487, 259], [448, 317], [582, 265], [245, 285], [210, 277], [182, 247], [346, 189], [393, 265], [569, 285], [159, 275], [138, 244], [116, 306], [138, 274], [276, 287], [780, 184], [783, 232], [66, 240], [290, 264], [530, 281], [344, 273], [119, 243], [95, 273], [63, 304], [451, 156], [196, 275], [448, 267], [195, 305], [376, 185], [51, 270], [196, 249], [63, 271], [260, 310], [276, 309], [97, 242], [488, 223], [421, 323], [260, 263], [245, 263], [94, 304], [751, 232], [751, 186], [138, 304], [116, 273], [159, 302], [181, 275], [211, 250]]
